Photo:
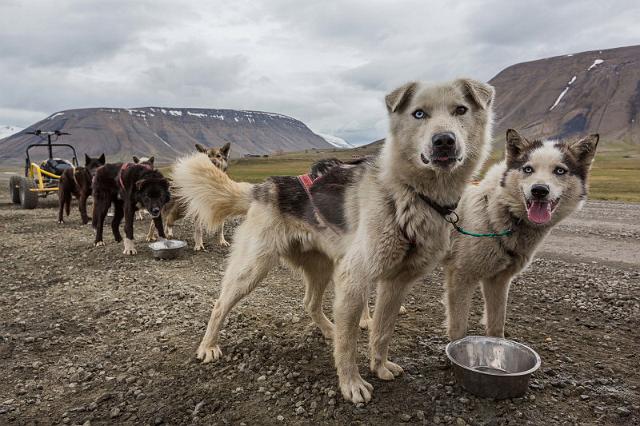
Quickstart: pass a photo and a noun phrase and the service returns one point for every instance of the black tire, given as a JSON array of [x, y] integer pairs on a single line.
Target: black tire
[[14, 189], [28, 199]]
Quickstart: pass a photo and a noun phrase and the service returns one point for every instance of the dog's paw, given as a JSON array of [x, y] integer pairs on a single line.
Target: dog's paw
[[387, 371], [151, 238], [365, 323], [129, 247], [99, 244], [355, 389], [224, 243], [403, 310], [199, 247], [61, 222], [208, 354]]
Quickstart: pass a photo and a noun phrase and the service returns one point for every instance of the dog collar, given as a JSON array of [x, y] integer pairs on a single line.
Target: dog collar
[[444, 211]]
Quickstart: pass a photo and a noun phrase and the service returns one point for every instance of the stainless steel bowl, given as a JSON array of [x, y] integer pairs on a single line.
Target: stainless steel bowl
[[491, 367], [167, 249]]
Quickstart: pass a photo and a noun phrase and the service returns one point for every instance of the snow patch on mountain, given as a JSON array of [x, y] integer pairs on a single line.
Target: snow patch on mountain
[[335, 141], [6, 131]]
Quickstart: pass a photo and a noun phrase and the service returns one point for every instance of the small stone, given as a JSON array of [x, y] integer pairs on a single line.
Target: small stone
[[460, 421], [405, 417], [420, 415], [280, 418], [331, 393], [262, 378], [115, 412], [584, 397], [300, 411], [623, 411]]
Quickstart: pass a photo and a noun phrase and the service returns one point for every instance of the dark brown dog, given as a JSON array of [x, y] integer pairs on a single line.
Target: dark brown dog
[[77, 182], [128, 186]]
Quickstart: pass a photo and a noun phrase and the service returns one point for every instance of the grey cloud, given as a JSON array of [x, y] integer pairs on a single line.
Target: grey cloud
[[326, 63]]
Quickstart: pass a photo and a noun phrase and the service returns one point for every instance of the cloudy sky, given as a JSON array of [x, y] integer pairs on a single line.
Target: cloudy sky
[[327, 63]]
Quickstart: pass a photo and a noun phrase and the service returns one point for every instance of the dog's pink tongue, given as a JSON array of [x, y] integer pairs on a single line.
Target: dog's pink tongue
[[539, 212]]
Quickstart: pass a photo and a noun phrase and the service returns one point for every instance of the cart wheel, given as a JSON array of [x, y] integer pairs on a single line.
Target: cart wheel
[[28, 199], [14, 189]]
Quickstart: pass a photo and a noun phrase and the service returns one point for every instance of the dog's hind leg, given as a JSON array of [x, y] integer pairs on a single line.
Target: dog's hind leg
[[457, 301], [82, 206], [495, 292], [62, 198], [254, 243], [389, 297], [317, 270]]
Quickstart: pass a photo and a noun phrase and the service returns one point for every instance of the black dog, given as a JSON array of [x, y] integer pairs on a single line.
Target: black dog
[[128, 186], [77, 182]]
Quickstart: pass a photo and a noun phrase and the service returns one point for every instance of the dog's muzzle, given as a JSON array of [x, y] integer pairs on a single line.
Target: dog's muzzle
[[444, 150], [154, 212]]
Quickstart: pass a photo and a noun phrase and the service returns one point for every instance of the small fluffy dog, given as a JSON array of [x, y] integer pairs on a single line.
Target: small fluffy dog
[[175, 210], [77, 182], [537, 185], [379, 221], [128, 186]]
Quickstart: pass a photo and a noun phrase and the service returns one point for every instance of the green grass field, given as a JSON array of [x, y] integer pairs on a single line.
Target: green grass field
[[615, 174]]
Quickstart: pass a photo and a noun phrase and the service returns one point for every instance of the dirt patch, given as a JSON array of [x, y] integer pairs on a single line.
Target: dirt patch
[[87, 334]]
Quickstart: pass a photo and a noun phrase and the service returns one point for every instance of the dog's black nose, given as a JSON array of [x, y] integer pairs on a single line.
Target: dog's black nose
[[443, 140], [539, 190], [155, 211]]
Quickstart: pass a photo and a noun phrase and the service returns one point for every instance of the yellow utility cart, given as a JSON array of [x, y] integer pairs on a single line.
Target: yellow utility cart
[[40, 179]]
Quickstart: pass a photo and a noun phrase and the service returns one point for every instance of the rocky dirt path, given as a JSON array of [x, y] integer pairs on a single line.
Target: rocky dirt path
[[90, 336]]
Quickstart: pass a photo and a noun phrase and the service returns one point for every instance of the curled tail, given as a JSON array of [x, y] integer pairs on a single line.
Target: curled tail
[[209, 195]]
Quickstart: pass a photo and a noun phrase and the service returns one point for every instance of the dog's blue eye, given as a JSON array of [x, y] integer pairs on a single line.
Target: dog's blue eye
[[527, 169], [419, 114], [559, 171]]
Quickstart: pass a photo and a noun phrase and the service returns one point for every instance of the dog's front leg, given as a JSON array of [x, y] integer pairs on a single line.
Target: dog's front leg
[[129, 217], [221, 240], [151, 234], [495, 291], [389, 297], [457, 301], [100, 209], [157, 221], [197, 237], [350, 293]]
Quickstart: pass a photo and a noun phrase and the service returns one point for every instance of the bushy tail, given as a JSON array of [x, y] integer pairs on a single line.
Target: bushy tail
[[209, 195]]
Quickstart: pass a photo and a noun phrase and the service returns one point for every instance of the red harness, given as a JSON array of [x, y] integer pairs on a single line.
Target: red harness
[[125, 166], [307, 182]]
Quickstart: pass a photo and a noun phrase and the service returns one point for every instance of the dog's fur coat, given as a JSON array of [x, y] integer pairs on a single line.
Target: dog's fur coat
[[539, 181], [128, 187], [175, 210], [363, 224], [77, 182]]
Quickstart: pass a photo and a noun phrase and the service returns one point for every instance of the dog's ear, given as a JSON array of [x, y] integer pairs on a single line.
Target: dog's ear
[[515, 145], [480, 93], [400, 97], [585, 149], [151, 160], [201, 148], [136, 159], [225, 149], [102, 159], [87, 159]]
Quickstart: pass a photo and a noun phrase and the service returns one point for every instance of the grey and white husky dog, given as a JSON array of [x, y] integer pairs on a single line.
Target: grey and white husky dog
[[539, 183], [379, 221]]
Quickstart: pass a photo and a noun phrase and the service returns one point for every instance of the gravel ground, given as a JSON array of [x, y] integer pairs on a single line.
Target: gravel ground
[[88, 335]]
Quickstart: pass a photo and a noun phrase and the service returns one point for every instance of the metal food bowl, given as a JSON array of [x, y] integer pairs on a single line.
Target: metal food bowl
[[491, 367], [167, 249]]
